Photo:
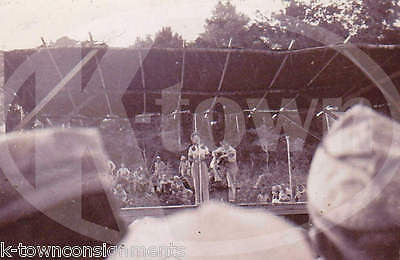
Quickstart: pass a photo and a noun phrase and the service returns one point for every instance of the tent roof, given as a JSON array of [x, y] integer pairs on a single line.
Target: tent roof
[[116, 74]]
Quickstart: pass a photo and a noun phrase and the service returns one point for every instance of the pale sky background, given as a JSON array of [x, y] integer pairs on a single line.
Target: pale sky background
[[116, 22]]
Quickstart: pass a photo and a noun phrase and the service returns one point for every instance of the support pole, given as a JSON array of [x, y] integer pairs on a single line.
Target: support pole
[[237, 124], [201, 198], [289, 166], [328, 127], [178, 105], [195, 121], [143, 81], [221, 81]]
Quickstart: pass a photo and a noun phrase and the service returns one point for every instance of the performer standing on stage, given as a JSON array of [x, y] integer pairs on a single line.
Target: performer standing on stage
[[197, 156], [225, 157]]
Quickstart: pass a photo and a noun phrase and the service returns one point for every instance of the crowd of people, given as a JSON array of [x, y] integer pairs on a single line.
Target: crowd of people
[[200, 173], [131, 184], [278, 193]]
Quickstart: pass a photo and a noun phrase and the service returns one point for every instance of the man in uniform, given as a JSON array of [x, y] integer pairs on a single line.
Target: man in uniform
[[159, 166], [142, 183], [158, 169], [123, 172], [300, 193], [184, 172], [112, 168], [226, 159], [120, 194], [179, 191], [165, 185], [275, 193], [123, 175]]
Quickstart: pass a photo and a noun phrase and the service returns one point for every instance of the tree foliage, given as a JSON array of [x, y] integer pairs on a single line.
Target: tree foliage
[[165, 38], [225, 24], [140, 43], [364, 21]]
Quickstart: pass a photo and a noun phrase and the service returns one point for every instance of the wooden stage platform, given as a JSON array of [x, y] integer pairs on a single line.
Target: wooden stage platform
[[283, 209]]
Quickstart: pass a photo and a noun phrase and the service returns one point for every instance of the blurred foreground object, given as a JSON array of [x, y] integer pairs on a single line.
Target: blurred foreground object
[[214, 231], [353, 188], [55, 189]]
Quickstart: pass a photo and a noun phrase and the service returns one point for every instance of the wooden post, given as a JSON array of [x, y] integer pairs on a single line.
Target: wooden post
[[143, 81], [237, 124], [327, 121], [290, 167], [195, 121]]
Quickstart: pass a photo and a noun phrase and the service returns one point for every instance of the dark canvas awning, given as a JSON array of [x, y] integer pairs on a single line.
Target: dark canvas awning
[[112, 80]]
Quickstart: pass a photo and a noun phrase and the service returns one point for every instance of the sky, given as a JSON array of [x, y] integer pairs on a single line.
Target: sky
[[116, 22]]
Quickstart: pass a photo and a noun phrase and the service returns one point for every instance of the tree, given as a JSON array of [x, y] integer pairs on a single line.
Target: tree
[[166, 38], [147, 42], [378, 21], [275, 27], [364, 20], [225, 24]]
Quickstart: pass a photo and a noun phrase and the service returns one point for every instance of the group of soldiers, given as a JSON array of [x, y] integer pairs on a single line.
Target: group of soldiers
[[131, 184], [128, 182], [166, 185], [191, 184], [277, 193]]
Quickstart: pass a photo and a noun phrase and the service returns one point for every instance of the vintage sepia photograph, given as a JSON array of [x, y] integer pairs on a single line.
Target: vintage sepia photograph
[[209, 129]]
